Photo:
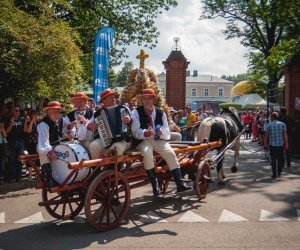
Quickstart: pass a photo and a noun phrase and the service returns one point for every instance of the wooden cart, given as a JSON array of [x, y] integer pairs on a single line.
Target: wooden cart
[[105, 192]]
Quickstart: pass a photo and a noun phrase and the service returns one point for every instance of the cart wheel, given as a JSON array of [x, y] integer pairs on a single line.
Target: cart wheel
[[107, 202], [202, 180], [163, 185], [64, 205]]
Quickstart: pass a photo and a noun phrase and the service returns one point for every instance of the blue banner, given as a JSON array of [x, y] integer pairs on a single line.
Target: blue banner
[[103, 42]]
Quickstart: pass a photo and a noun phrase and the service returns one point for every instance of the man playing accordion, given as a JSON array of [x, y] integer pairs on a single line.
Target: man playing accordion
[[150, 133], [115, 135]]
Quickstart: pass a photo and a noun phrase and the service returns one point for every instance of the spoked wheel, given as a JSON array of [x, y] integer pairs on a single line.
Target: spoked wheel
[[63, 205], [203, 178], [163, 185], [107, 200]]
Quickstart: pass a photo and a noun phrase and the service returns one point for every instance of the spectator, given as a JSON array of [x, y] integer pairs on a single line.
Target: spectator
[[31, 136], [278, 142], [190, 122], [248, 120], [14, 127], [289, 123], [3, 143]]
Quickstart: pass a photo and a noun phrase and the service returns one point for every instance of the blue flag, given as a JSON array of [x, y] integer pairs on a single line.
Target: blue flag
[[103, 42]]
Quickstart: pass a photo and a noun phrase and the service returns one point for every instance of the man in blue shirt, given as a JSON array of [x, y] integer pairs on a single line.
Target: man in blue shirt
[[278, 142]]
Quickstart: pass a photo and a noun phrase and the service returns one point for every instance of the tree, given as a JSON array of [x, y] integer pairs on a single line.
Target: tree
[[39, 56], [262, 26], [134, 21], [121, 80]]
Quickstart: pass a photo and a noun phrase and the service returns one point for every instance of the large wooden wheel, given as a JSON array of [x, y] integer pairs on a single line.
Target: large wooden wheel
[[63, 205], [107, 200], [203, 178]]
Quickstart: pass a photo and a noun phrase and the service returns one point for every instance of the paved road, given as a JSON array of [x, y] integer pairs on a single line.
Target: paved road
[[250, 211]]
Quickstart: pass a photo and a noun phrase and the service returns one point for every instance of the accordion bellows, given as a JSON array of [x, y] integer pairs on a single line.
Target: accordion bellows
[[110, 126]]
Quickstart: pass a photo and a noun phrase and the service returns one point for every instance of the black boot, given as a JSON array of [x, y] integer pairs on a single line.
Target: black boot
[[47, 175], [154, 182], [181, 186]]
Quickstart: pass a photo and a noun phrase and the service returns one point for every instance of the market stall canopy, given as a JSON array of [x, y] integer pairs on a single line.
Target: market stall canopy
[[251, 101], [230, 104]]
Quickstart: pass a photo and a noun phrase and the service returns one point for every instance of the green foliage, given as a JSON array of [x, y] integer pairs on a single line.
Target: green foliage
[[112, 78], [262, 26], [121, 80], [39, 56], [134, 21]]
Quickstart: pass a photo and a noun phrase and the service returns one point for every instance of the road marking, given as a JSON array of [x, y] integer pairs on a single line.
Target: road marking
[[269, 216], [190, 216], [151, 217], [2, 217], [32, 219], [298, 213], [227, 216]]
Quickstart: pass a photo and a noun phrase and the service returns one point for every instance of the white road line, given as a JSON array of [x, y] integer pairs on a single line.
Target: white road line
[[2, 217], [32, 219], [151, 217], [269, 216], [190, 216], [227, 216]]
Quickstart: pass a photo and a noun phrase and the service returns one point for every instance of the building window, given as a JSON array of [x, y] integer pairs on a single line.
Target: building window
[[194, 92], [206, 92], [220, 92]]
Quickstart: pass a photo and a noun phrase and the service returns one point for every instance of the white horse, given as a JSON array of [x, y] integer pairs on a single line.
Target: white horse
[[226, 127]]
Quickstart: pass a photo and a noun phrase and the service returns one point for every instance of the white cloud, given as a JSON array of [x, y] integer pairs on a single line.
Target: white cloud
[[201, 42]]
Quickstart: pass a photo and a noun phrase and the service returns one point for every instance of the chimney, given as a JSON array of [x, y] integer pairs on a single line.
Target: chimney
[[195, 73], [187, 73]]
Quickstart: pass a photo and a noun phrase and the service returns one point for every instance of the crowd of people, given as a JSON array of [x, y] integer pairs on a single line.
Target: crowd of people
[[28, 132]]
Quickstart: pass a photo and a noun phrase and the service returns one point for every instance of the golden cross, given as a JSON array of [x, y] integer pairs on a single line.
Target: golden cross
[[142, 56]]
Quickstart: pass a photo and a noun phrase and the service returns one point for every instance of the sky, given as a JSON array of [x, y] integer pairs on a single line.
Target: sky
[[201, 42]]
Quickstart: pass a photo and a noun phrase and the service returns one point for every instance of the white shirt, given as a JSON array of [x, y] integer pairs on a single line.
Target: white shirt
[[43, 146], [138, 132], [80, 131]]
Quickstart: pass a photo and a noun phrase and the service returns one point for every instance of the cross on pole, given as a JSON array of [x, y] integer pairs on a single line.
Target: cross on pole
[[142, 56]]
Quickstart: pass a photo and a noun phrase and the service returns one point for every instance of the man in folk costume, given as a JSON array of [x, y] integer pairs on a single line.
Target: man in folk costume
[[49, 135], [96, 147], [77, 119], [151, 132]]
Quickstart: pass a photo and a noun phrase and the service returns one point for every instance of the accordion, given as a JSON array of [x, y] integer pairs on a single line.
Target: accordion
[[110, 126]]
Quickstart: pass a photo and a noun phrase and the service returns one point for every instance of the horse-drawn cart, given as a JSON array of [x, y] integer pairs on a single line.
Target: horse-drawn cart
[[105, 191]]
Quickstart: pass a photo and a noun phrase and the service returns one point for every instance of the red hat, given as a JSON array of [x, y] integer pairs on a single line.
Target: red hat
[[106, 93], [52, 105], [148, 92], [79, 95]]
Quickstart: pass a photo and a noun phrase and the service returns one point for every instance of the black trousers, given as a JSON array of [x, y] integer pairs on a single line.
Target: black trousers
[[277, 159]]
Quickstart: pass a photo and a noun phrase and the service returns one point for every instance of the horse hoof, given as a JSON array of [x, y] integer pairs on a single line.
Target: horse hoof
[[233, 169]]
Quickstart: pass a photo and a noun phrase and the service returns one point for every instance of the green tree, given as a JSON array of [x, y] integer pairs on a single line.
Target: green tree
[[134, 21], [262, 26], [121, 80], [39, 56]]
